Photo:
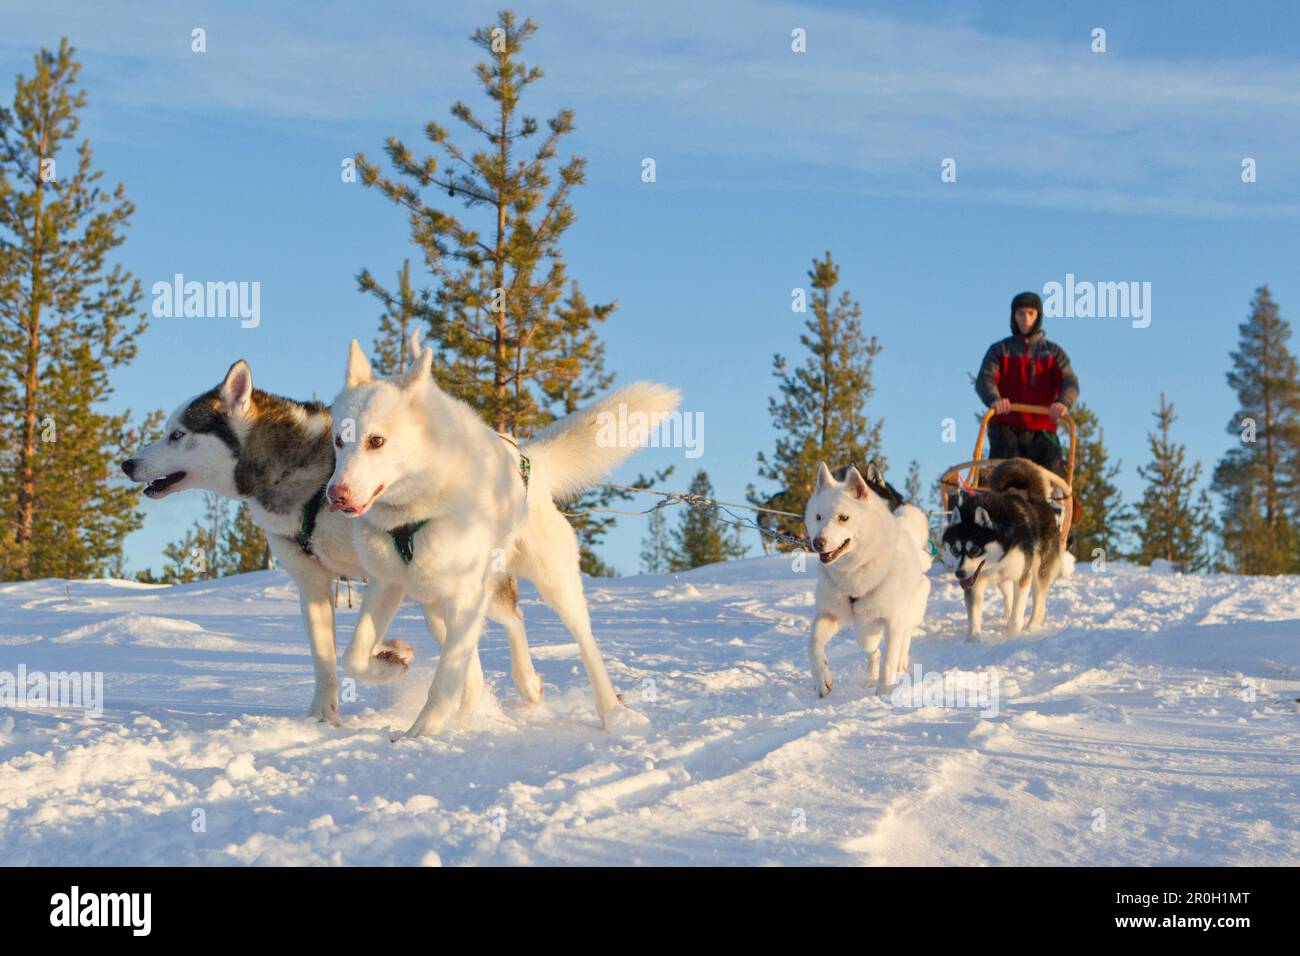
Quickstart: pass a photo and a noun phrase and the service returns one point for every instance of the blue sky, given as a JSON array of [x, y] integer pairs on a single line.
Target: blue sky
[[1121, 166]]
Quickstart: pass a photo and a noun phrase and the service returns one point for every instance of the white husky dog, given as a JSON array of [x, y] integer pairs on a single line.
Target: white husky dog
[[448, 508], [872, 574]]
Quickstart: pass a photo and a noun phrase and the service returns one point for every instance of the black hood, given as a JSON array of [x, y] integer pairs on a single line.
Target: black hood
[[1027, 299]]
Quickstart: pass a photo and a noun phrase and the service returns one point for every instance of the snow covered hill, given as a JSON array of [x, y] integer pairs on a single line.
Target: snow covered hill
[[1153, 722]]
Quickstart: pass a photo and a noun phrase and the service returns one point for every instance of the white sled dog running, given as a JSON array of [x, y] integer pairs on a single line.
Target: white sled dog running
[[872, 574], [276, 454], [446, 508]]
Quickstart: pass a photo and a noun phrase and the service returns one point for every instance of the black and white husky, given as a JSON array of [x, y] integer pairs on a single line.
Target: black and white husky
[[276, 454], [1007, 537]]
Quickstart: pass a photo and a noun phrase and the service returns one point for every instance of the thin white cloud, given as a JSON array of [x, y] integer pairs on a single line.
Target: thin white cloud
[[872, 107]]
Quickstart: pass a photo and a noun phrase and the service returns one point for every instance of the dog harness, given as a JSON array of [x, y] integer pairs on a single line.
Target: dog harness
[[309, 512], [404, 536]]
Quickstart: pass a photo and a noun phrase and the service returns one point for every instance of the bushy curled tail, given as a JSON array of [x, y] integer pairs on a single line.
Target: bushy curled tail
[[1022, 475], [917, 527], [582, 448]]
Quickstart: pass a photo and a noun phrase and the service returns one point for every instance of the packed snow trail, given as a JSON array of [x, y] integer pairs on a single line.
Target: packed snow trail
[[1154, 721]]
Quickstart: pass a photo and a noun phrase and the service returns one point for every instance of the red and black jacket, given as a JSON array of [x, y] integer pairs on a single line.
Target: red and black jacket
[[1031, 371]]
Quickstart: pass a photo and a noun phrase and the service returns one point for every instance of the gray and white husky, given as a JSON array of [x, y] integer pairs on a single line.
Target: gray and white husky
[[276, 454], [1007, 537], [871, 575], [445, 509]]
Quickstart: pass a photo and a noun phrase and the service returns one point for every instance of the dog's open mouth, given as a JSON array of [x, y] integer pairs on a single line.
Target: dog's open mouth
[[968, 583], [829, 556], [161, 486], [357, 510]]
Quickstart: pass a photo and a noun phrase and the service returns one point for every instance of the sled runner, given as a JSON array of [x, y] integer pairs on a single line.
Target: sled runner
[[953, 484]]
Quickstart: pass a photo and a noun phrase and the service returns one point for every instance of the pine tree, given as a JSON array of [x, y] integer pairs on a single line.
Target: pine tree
[[820, 415], [1104, 519], [200, 554], [701, 537], [496, 319], [654, 546], [1172, 522], [913, 487], [389, 356], [246, 548], [217, 545], [1259, 478], [67, 319]]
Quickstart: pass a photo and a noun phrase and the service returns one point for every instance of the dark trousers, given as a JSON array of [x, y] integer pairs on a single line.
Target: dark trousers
[[1041, 447]]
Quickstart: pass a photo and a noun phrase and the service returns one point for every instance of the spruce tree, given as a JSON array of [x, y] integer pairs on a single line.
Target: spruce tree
[[701, 536], [496, 317], [655, 550], [200, 555], [1173, 523], [913, 488], [68, 317], [217, 545], [389, 356], [1104, 518], [1259, 478], [246, 546], [820, 414]]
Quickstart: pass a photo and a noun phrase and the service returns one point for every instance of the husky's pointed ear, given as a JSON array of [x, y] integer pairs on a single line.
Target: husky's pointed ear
[[358, 372], [413, 347], [982, 518], [824, 477], [857, 484], [873, 474], [418, 373], [237, 388]]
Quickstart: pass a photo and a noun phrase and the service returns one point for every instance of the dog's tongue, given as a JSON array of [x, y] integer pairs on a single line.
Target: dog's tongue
[[968, 583]]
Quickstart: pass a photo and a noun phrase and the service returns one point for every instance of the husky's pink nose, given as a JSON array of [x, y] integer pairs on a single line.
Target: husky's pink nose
[[340, 496], [819, 544]]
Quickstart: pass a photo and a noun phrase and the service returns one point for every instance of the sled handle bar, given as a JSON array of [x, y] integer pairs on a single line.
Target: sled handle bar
[[1032, 410]]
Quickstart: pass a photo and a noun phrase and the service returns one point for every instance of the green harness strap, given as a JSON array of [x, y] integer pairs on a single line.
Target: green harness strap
[[308, 527], [404, 537]]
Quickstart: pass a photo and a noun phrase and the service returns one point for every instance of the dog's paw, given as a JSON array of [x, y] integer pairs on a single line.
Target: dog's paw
[[325, 707], [824, 681], [623, 721], [530, 687], [396, 653], [391, 662]]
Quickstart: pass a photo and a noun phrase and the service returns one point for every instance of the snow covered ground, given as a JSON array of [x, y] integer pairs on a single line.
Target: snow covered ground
[[1153, 722]]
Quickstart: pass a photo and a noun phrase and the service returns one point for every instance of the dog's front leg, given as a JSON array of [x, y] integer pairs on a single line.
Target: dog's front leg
[[377, 609], [824, 628], [1008, 589], [974, 611], [437, 624], [896, 634], [1017, 616], [870, 633], [464, 625], [317, 605]]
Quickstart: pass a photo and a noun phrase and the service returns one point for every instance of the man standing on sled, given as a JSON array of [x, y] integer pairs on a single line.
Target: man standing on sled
[[1027, 369]]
